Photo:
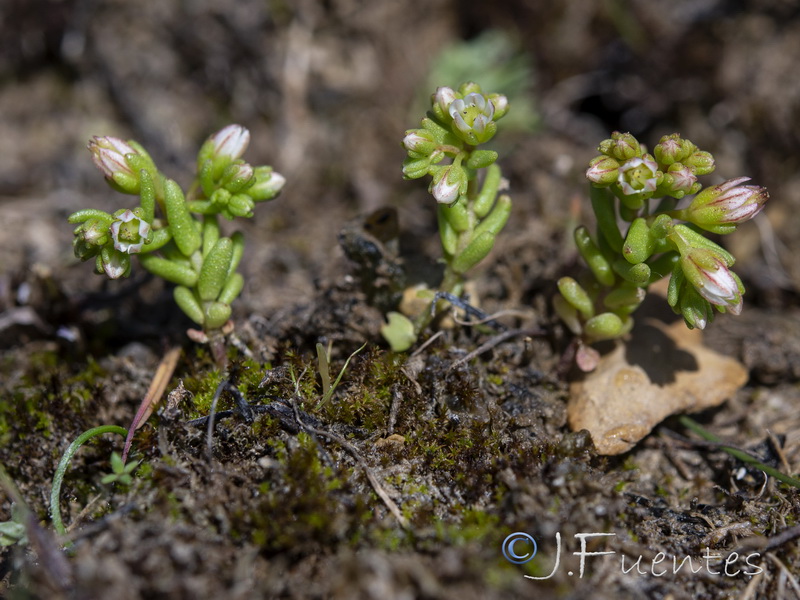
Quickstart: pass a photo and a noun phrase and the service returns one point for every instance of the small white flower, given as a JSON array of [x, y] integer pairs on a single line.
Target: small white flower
[[129, 233], [472, 113], [638, 175]]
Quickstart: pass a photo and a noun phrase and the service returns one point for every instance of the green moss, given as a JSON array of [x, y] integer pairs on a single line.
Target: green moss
[[306, 503], [48, 398]]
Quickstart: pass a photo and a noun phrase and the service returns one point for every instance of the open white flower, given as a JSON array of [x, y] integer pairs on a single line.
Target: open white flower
[[472, 116], [129, 233], [638, 175]]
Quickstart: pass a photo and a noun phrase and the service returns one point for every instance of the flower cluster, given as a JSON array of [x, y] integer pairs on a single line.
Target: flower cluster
[[664, 239], [465, 182], [163, 230]]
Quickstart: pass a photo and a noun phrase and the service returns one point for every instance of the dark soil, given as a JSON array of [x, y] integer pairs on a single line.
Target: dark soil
[[297, 501]]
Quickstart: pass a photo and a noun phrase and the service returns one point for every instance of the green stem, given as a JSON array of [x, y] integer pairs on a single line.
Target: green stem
[[746, 458], [452, 281], [58, 478]]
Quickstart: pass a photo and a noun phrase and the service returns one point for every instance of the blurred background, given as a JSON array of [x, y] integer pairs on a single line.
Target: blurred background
[[327, 89]]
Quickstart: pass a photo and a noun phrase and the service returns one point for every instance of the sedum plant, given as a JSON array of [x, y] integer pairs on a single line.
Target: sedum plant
[[644, 191], [465, 182], [177, 234]]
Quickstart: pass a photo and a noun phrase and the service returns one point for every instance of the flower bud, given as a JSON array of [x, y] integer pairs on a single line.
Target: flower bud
[[268, 184], [672, 148], [712, 279], [230, 141], [603, 171], [696, 310], [469, 87], [114, 263], [419, 141], [500, 103], [414, 168], [701, 163], [721, 207], [222, 148], [90, 237], [622, 146], [679, 180], [638, 175], [239, 205], [129, 233], [237, 177], [441, 101], [110, 155], [447, 183]]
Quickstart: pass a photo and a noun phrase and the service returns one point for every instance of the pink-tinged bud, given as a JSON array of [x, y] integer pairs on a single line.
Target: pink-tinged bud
[[237, 177], [500, 103], [603, 171], [712, 279], [129, 233], [638, 175], [230, 141], [442, 99], [622, 146], [109, 155], [220, 150], [445, 188], [267, 186], [418, 140], [672, 148], [679, 178], [726, 204]]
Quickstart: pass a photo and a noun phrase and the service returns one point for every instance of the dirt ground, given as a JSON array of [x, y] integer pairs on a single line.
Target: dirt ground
[[408, 481]]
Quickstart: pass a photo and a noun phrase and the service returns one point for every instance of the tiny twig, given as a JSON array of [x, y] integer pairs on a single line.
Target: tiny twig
[[787, 535], [488, 319], [495, 341], [427, 343], [789, 576], [482, 317]]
